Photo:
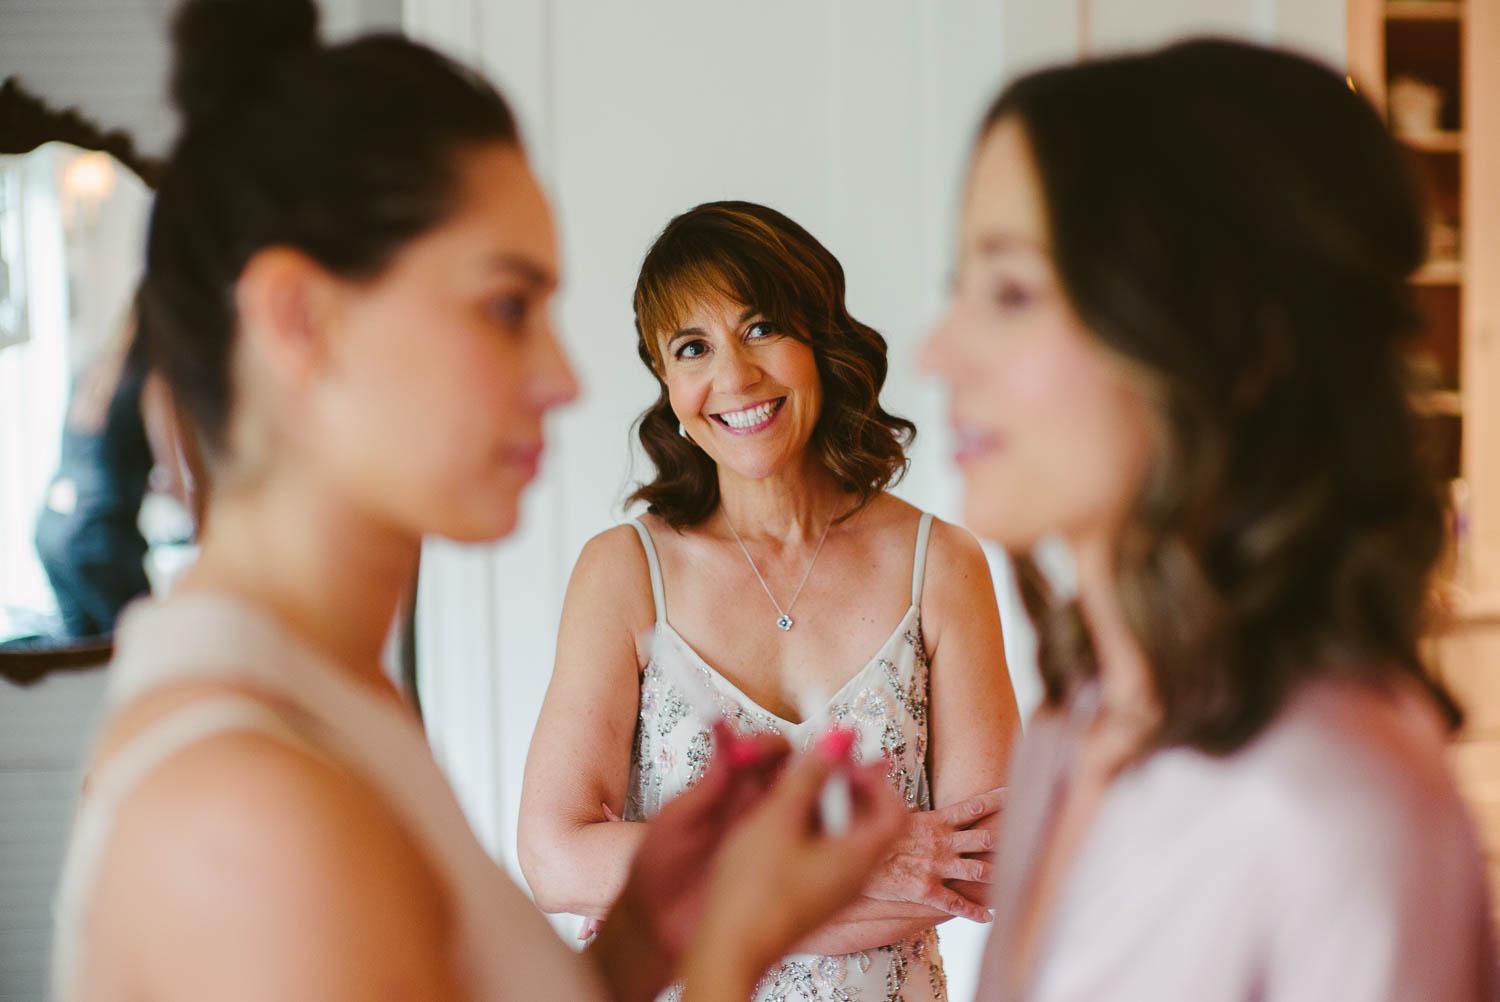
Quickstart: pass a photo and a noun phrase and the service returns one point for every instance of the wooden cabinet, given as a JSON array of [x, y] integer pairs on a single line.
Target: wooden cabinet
[[1432, 66], [1407, 56]]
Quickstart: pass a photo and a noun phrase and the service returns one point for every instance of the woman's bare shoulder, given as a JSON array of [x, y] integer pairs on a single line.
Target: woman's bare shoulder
[[619, 544], [957, 586], [613, 563], [948, 545], [609, 592], [955, 549], [248, 838]]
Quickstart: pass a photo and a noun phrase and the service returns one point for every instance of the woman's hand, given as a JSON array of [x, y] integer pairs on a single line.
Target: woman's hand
[[670, 873], [779, 874], [941, 848], [656, 916]]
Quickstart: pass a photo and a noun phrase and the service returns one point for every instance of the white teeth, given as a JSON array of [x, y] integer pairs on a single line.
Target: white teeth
[[749, 417]]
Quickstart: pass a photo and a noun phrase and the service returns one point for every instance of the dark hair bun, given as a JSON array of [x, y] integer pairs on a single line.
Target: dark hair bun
[[226, 49]]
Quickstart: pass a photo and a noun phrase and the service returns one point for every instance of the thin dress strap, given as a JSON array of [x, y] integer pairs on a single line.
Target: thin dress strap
[[108, 789], [919, 559], [657, 596]]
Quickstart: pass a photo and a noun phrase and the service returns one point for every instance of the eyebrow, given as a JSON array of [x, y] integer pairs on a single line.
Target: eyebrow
[[529, 270], [699, 332], [995, 244]]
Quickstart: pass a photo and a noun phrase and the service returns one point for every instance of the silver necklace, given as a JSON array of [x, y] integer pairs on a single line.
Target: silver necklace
[[785, 619]]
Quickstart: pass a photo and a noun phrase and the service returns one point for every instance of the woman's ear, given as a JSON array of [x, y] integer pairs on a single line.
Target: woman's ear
[[287, 305]]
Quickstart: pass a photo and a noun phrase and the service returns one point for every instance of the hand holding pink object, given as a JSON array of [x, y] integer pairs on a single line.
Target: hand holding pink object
[[781, 873]]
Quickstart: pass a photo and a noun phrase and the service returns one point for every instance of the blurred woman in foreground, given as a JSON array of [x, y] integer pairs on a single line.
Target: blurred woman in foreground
[[1177, 343]]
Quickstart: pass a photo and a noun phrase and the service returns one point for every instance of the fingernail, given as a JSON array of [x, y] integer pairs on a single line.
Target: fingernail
[[743, 752], [835, 743]]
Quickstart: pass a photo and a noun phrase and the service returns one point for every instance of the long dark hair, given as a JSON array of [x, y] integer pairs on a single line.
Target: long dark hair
[[344, 152], [756, 256], [1238, 226]]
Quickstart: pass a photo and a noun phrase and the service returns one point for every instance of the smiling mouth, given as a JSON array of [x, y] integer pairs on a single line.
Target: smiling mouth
[[751, 418]]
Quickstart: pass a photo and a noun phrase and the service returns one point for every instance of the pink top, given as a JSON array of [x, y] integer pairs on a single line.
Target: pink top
[[1329, 859]]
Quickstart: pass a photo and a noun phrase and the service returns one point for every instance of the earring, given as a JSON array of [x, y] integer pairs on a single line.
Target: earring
[[682, 431]]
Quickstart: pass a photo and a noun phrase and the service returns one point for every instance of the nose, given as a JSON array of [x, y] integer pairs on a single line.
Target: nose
[[934, 354], [734, 370], [552, 381]]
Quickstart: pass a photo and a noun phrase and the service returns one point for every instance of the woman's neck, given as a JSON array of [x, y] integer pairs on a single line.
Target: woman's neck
[[793, 507], [326, 572], [1126, 690]]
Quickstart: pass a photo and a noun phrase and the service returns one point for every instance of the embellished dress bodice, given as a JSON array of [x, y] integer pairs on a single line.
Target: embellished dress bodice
[[884, 704]]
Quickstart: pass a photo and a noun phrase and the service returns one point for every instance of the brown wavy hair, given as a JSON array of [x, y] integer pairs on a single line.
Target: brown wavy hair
[[758, 257], [1237, 227]]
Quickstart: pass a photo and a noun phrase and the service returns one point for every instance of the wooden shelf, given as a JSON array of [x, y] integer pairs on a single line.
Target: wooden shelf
[[1451, 45], [1439, 273], [1436, 141], [1448, 403], [1423, 10]]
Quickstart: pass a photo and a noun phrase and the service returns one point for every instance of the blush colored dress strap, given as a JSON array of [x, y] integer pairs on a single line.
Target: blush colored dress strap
[[658, 596], [919, 558]]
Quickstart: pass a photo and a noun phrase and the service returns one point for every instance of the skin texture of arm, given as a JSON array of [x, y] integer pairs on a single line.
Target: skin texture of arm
[[574, 859]]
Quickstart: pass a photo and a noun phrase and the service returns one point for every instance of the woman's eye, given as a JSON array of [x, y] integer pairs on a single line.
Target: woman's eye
[[508, 311], [1011, 296], [689, 349], [762, 329]]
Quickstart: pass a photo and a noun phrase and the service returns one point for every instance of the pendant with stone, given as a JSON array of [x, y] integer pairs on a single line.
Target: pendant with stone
[[785, 622]]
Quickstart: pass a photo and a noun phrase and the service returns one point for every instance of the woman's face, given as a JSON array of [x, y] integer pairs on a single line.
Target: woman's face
[[1051, 436], [746, 392], [434, 391]]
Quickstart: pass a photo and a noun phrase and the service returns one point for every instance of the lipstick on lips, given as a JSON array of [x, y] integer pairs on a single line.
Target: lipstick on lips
[[971, 442], [527, 457]]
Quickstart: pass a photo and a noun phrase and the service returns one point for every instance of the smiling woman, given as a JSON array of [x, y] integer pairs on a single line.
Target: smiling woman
[[802, 596], [719, 257]]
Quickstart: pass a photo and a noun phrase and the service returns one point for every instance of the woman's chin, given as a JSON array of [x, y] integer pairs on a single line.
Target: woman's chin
[[757, 468], [988, 518], [480, 527]]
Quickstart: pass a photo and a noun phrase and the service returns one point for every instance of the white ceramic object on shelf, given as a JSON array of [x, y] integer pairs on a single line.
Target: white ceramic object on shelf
[[1414, 105]]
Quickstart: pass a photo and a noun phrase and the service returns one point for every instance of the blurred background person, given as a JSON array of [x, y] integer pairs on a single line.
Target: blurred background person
[[1176, 343], [120, 439]]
